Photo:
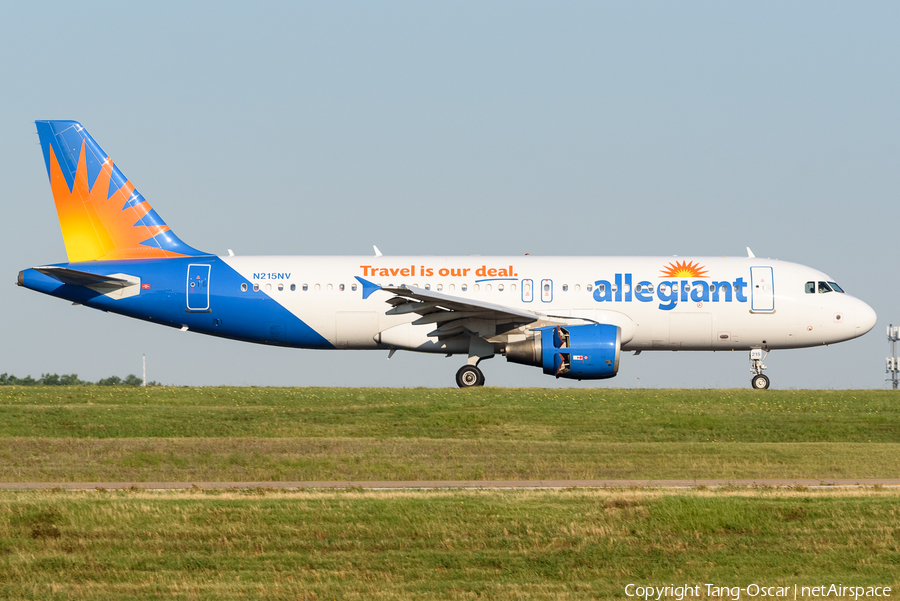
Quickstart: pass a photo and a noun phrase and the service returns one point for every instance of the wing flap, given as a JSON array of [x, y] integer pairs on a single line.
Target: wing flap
[[452, 314]]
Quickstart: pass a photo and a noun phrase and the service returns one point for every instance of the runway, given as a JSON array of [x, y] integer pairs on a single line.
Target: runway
[[463, 484]]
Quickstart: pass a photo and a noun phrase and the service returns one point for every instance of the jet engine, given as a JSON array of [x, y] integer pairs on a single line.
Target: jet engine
[[581, 352]]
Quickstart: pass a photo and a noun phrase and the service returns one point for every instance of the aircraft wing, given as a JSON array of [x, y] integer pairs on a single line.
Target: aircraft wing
[[84, 278], [453, 315]]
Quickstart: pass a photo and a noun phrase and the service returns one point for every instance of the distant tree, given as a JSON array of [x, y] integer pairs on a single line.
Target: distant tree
[[26, 381], [70, 380], [49, 380]]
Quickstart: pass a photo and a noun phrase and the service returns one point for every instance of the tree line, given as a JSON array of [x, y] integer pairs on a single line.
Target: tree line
[[70, 380]]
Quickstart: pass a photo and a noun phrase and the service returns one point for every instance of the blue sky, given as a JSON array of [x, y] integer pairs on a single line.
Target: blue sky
[[633, 128]]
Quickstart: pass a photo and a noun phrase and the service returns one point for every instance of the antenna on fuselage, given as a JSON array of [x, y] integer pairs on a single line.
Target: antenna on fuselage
[[892, 373], [750, 254], [377, 252]]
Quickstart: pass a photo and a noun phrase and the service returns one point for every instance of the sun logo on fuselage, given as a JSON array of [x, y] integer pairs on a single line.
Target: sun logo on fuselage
[[684, 269]]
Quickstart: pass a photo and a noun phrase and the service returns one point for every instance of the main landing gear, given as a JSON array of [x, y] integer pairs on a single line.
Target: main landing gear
[[759, 381], [469, 376]]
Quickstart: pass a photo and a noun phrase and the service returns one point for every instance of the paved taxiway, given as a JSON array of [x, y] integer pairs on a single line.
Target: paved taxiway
[[450, 484]]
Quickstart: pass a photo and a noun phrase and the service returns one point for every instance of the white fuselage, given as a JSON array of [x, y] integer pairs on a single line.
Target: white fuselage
[[660, 303]]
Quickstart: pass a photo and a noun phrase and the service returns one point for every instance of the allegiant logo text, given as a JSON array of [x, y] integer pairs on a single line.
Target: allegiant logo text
[[670, 292]]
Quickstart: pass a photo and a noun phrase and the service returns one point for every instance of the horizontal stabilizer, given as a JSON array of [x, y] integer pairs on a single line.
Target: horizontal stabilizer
[[84, 278], [115, 286]]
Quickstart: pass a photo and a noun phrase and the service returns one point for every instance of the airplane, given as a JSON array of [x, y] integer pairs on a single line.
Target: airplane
[[572, 317]]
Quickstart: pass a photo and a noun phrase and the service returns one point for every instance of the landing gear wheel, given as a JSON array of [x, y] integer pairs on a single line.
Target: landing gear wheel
[[469, 376], [759, 382]]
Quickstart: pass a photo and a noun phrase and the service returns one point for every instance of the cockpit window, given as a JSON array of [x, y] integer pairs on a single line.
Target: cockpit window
[[835, 287], [810, 287], [824, 287]]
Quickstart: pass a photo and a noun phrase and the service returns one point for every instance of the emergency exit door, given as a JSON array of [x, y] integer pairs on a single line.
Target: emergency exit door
[[762, 290], [198, 288]]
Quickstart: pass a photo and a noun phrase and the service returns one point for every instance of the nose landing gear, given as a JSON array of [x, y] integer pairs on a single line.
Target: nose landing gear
[[759, 381]]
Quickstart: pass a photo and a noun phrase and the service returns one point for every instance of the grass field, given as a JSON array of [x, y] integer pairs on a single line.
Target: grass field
[[289, 434], [477, 544], [564, 544]]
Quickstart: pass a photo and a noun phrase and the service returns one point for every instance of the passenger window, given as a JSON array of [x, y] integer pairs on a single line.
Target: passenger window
[[463, 287], [487, 287], [477, 287], [590, 287], [810, 287], [305, 287], [512, 287], [650, 288], [546, 287], [243, 287], [268, 287], [499, 287], [255, 287], [637, 287], [440, 287], [293, 287], [577, 287], [427, 286], [329, 288], [341, 287], [353, 287], [280, 287], [318, 287], [601, 288], [565, 287], [452, 287]]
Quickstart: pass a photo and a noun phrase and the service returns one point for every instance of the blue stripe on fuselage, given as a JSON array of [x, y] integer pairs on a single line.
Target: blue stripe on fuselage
[[242, 315]]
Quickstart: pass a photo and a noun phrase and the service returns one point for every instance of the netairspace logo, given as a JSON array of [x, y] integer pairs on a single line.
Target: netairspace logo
[[686, 591]]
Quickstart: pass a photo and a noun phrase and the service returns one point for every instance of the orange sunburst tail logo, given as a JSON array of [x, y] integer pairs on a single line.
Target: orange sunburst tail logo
[[101, 215]]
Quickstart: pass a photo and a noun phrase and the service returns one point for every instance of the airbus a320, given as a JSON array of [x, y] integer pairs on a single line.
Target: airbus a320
[[572, 317]]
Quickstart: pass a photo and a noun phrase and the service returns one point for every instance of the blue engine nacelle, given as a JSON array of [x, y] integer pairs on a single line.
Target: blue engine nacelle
[[583, 352]]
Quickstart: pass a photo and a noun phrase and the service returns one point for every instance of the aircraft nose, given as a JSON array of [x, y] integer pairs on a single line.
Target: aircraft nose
[[865, 318]]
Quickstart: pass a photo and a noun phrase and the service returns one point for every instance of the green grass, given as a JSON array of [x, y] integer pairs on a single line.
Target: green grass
[[276, 434], [236, 460], [573, 544], [317, 545], [488, 413]]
